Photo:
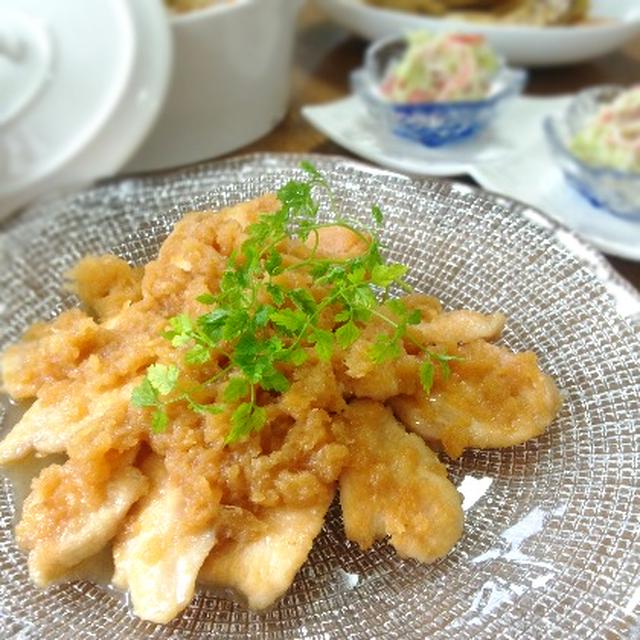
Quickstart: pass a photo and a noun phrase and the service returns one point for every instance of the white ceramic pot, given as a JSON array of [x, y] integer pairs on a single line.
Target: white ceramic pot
[[230, 82]]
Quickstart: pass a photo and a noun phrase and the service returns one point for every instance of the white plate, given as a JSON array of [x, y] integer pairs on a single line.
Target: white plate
[[511, 158], [615, 22], [349, 123], [546, 188]]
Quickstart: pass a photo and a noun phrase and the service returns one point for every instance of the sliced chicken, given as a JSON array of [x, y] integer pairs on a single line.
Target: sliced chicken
[[69, 516], [194, 255], [335, 241], [394, 485], [105, 284], [493, 398], [49, 352], [159, 552], [459, 327], [262, 568], [47, 427], [384, 381]]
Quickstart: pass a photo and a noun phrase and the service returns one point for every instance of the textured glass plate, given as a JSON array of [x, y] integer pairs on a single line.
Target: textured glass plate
[[551, 546]]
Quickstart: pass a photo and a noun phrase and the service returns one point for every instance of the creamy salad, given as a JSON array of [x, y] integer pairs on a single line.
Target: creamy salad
[[444, 67], [612, 138]]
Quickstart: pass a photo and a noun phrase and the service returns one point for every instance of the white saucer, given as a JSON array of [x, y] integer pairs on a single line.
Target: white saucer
[[511, 157]]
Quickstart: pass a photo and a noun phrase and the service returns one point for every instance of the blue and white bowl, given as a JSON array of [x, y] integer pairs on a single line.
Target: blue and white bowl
[[611, 189], [433, 124]]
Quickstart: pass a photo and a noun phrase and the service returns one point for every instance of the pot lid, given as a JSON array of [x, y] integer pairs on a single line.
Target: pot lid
[[81, 83]]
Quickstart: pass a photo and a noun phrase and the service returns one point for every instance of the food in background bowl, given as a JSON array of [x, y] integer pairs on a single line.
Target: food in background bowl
[[612, 137], [597, 145], [435, 89], [188, 5], [181, 6], [533, 12], [441, 68]]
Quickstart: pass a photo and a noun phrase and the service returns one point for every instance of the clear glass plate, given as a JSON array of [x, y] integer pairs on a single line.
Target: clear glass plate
[[551, 546]]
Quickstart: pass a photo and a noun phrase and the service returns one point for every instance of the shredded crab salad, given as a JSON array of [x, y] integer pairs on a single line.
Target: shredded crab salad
[[612, 138], [444, 67]]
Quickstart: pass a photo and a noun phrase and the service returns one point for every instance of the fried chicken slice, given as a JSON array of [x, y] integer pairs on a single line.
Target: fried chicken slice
[[48, 352], [106, 284], [57, 360], [159, 551], [362, 377], [493, 398], [394, 485], [263, 567], [73, 511], [338, 242], [47, 427], [461, 326]]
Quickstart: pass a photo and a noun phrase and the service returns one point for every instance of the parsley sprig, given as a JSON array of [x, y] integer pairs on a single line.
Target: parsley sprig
[[258, 327]]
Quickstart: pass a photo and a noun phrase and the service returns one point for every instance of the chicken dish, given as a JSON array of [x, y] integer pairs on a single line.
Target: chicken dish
[[211, 404], [532, 12]]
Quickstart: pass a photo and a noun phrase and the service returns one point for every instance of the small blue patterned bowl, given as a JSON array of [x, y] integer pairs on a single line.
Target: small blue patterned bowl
[[611, 189], [434, 124]]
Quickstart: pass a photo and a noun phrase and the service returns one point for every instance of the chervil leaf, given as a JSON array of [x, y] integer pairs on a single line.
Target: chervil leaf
[[298, 356], [180, 340], [398, 307], [212, 409], [159, 421], [357, 275], [262, 315], [384, 349], [289, 320], [376, 214], [245, 419], [274, 380], [235, 324], [364, 297], [273, 346], [206, 298], [248, 357], [144, 395], [303, 300], [273, 263], [212, 324], [297, 196], [323, 341], [180, 331], [445, 357], [181, 324], [384, 275], [197, 355], [163, 377], [276, 292], [372, 257], [426, 375], [443, 360], [236, 389], [311, 170], [347, 334]]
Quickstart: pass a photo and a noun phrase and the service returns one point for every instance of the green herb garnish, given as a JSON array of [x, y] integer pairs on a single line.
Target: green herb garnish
[[259, 325], [159, 381]]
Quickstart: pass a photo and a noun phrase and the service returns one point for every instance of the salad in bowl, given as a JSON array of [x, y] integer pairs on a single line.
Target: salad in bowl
[[435, 88], [597, 145]]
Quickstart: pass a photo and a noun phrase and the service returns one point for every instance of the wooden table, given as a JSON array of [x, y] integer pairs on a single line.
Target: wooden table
[[325, 55]]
